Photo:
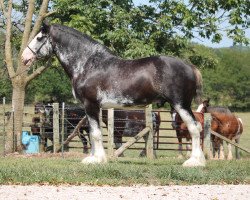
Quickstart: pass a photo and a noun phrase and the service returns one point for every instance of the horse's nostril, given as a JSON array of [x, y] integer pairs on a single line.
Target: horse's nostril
[[26, 61]]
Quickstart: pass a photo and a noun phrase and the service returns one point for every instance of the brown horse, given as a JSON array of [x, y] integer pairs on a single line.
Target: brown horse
[[225, 123]]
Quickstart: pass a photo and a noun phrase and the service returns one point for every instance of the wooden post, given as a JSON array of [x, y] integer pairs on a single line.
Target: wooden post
[[230, 141], [62, 128], [207, 136], [4, 124], [110, 132], [131, 141], [150, 135], [56, 139]]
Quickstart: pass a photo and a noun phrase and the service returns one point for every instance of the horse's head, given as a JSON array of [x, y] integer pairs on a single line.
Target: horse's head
[[203, 107], [39, 47]]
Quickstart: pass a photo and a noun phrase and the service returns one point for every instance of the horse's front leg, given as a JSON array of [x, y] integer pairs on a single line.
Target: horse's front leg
[[97, 154]]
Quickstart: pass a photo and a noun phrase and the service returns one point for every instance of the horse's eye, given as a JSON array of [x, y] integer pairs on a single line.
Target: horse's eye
[[39, 38]]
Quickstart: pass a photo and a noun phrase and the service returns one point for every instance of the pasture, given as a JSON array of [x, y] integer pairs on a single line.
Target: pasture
[[165, 170]]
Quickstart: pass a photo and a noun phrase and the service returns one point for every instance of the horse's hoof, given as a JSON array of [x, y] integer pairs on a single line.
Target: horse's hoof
[[94, 160], [194, 162]]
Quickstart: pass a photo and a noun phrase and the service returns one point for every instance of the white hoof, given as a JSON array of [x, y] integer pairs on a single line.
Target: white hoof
[[94, 159], [195, 162]]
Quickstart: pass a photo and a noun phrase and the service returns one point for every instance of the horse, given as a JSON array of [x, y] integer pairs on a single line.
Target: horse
[[73, 116], [100, 78], [225, 123], [129, 123], [182, 132], [44, 120]]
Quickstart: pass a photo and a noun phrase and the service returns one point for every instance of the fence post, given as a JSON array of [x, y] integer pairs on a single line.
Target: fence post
[[207, 136], [13, 130], [150, 135], [4, 134], [62, 127], [110, 132], [56, 138]]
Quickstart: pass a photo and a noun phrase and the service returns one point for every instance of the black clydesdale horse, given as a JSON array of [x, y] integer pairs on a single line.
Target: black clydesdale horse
[[99, 78]]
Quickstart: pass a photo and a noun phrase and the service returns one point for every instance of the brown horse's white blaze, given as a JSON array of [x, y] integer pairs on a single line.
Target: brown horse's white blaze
[[100, 78]]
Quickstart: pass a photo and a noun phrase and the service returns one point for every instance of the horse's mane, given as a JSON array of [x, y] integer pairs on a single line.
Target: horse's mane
[[79, 36], [219, 109]]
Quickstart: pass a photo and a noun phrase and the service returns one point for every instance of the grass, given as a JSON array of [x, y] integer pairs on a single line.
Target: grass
[[125, 171]]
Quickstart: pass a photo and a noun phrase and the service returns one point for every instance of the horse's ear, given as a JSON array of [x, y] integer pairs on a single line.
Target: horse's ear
[[45, 27]]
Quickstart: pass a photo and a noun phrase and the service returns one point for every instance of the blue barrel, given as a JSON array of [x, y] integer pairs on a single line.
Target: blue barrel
[[31, 142]]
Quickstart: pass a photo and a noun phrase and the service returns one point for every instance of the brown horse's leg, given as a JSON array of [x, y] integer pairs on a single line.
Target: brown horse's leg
[[221, 151], [118, 141], [229, 155], [180, 150], [237, 152]]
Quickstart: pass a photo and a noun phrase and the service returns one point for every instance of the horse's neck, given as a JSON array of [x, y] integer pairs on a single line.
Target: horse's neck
[[74, 60]]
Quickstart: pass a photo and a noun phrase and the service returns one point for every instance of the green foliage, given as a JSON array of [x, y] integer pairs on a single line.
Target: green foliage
[[52, 86], [5, 84], [228, 84], [163, 27]]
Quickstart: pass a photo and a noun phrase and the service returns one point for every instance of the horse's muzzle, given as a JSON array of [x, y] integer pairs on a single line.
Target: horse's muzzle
[[27, 57]]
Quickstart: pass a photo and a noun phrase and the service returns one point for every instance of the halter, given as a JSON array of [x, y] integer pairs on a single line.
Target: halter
[[36, 52]]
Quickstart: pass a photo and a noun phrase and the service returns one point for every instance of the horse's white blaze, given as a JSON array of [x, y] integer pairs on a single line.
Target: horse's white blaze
[[97, 150], [197, 157], [200, 107]]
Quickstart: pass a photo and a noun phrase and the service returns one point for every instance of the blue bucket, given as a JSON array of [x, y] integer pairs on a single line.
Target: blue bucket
[[31, 142]]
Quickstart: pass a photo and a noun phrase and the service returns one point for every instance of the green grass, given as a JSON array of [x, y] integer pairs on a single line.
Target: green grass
[[125, 171]]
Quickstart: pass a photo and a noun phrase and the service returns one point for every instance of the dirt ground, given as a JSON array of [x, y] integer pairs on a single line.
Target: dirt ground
[[207, 192]]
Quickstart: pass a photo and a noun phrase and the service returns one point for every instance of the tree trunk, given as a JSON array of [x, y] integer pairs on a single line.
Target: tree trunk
[[14, 129]]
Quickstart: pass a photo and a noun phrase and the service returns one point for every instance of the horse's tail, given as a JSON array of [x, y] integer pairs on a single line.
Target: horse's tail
[[199, 87]]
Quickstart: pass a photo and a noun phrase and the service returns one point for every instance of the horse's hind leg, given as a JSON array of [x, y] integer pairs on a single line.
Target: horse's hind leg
[[197, 157], [230, 155], [97, 154], [84, 142], [180, 150], [237, 152]]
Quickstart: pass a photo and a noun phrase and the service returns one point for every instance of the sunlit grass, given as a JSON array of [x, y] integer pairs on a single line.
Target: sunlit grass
[[125, 171]]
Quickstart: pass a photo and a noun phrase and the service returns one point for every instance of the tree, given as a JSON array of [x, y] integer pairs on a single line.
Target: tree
[[18, 73], [228, 84], [163, 27]]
